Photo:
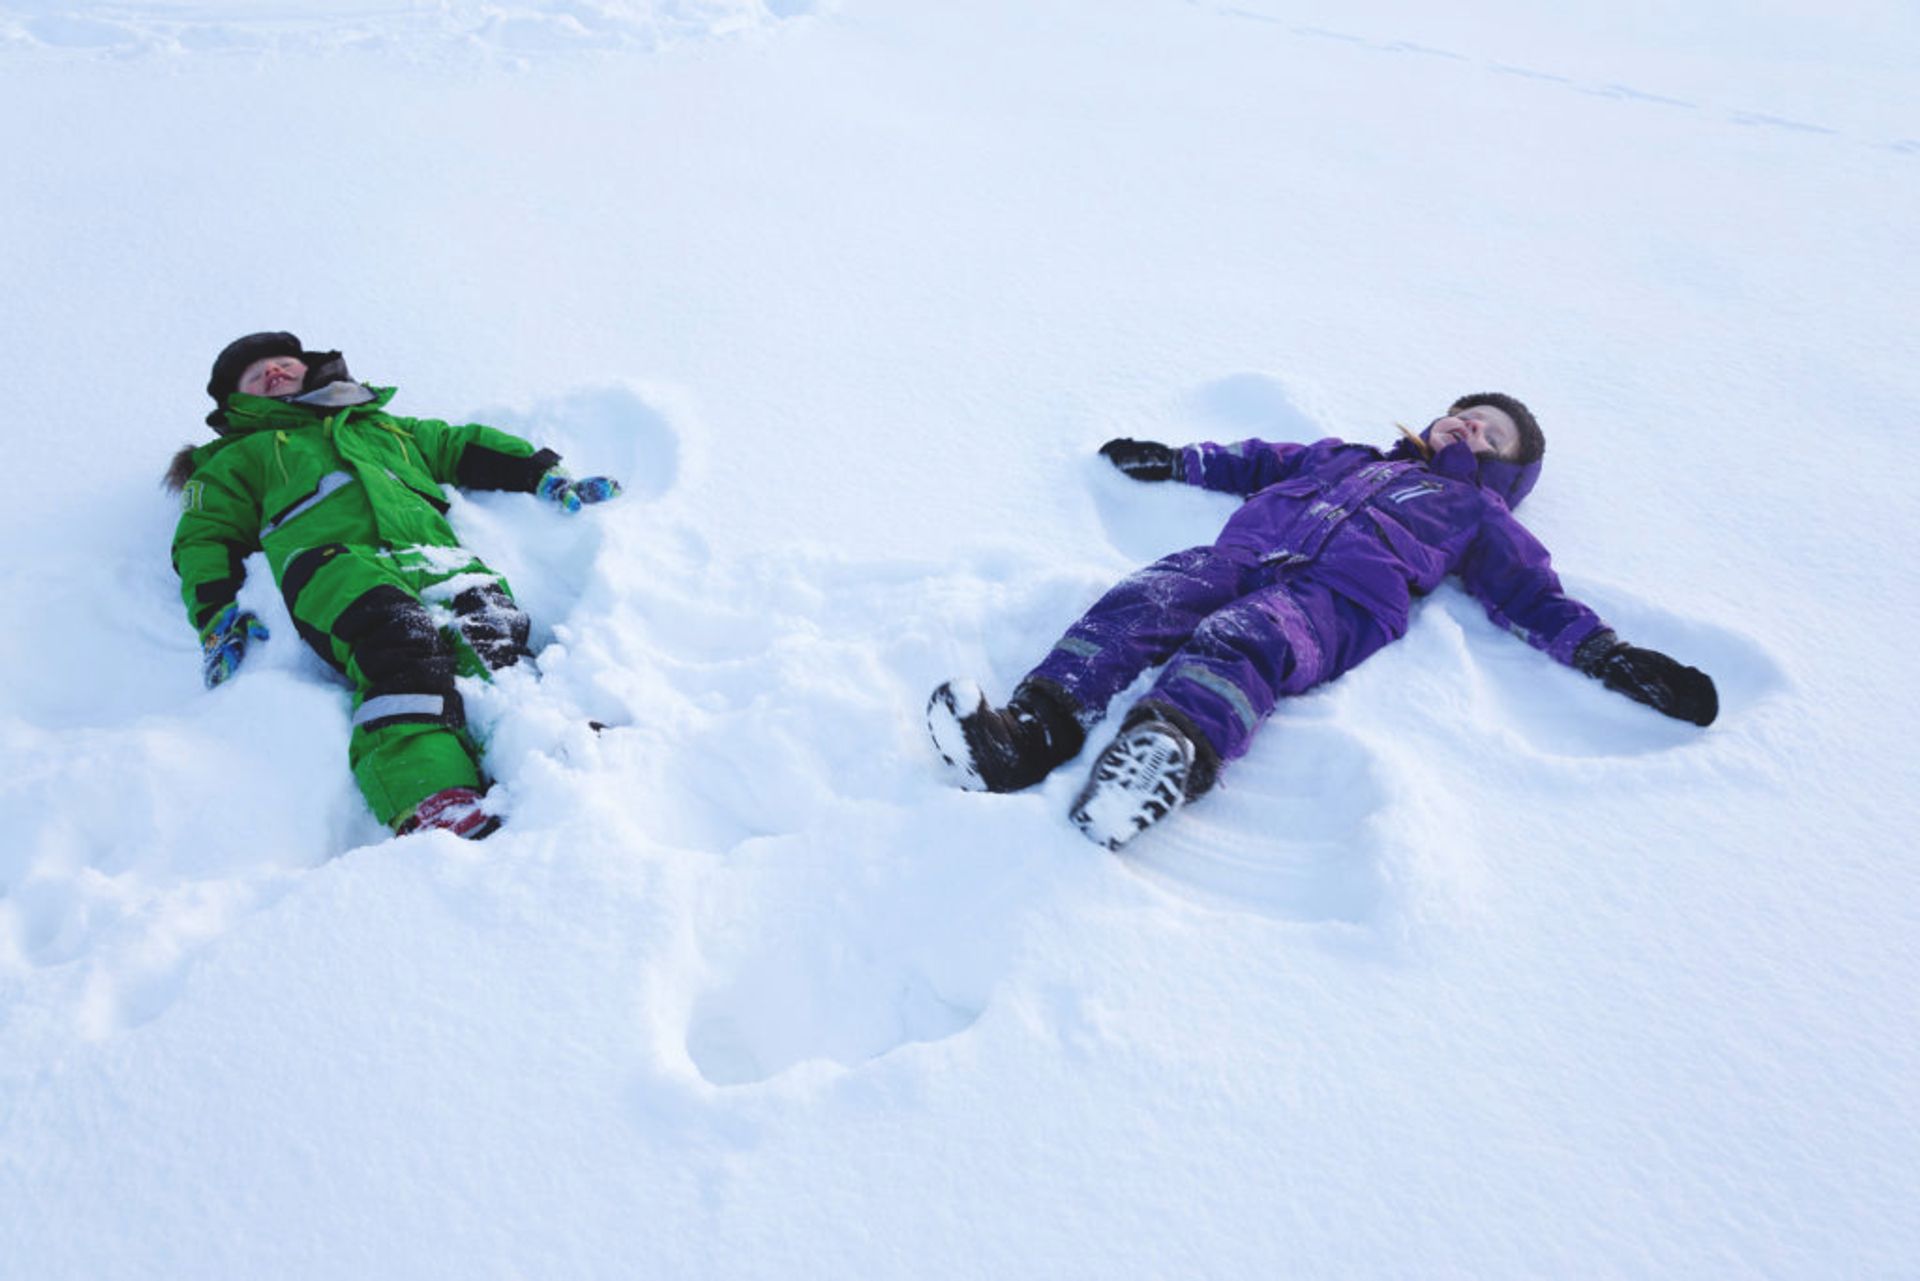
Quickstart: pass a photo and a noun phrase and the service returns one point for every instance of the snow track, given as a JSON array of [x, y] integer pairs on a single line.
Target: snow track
[[455, 31]]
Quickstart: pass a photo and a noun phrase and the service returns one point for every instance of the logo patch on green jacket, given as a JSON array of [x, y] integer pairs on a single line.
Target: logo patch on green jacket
[[192, 495]]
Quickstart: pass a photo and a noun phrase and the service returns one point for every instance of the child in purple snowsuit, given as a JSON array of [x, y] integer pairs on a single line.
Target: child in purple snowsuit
[[1315, 571]]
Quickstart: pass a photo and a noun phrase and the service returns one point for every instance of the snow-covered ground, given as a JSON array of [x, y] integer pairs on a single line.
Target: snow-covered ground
[[1470, 969]]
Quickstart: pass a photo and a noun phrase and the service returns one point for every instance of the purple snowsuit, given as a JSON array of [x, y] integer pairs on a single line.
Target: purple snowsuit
[[1317, 570]]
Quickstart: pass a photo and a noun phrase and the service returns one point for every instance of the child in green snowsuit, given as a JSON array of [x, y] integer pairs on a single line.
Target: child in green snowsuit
[[345, 500]]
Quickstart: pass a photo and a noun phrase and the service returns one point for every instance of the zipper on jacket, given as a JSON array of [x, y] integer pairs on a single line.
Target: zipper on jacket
[[405, 436], [329, 483]]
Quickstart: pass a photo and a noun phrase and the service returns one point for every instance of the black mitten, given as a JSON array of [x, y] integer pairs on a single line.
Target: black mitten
[[1650, 677], [1142, 459]]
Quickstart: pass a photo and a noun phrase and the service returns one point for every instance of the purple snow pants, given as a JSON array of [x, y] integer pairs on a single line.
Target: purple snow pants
[[1236, 636]]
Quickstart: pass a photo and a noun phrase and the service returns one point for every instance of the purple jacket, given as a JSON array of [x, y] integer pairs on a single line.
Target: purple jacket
[[1382, 528]]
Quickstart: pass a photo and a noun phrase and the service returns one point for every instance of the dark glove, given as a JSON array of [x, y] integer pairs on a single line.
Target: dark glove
[[1650, 677], [224, 641], [1142, 459], [558, 487]]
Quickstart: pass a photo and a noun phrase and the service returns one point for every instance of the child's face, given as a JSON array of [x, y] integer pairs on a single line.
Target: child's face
[[1485, 428], [273, 376]]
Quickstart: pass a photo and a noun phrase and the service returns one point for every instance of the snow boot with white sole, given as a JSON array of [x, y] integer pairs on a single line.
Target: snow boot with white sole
[[1004, 749], [455, 809], [1151, 769]]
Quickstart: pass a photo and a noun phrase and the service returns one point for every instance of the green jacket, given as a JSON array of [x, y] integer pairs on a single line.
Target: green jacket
[[287, 477]]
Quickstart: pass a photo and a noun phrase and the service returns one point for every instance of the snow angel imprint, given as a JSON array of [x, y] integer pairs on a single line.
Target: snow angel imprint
[[345, 499], [1316, 570]]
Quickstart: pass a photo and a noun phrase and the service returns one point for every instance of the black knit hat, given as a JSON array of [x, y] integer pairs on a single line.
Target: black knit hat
[[233, 361], [1533, 445]]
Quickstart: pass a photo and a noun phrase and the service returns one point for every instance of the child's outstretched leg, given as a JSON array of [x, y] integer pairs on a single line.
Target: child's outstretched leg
[[409, 744], [1240, 662], [1216, 690], [1141, 619]]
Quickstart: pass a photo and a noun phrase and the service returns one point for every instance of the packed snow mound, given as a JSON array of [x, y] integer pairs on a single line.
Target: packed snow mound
[[416, 30]]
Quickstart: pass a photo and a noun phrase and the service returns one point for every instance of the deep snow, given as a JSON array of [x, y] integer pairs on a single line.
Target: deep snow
[[1470, 969]]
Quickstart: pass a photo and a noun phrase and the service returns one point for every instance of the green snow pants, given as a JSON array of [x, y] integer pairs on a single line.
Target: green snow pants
[[400, 625]]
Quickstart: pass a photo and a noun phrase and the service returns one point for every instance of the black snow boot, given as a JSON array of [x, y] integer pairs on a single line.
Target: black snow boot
[[1002, 749], [1156, 764]]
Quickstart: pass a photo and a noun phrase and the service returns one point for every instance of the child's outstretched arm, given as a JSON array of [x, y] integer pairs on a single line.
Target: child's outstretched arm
[[1141, 459], [1509, 572], [1650, 677], [1243, 468], [218, 530], [475, 456]]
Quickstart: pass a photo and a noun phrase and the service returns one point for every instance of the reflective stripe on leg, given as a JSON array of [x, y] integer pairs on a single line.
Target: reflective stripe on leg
[[389, 709], [1140, 622]]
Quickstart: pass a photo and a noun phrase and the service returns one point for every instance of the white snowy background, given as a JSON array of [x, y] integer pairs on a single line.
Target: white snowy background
[[1470, 969]]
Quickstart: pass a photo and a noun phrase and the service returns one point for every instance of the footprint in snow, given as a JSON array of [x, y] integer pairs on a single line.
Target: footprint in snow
[[118, 863], [827, 945], [775, 1019]]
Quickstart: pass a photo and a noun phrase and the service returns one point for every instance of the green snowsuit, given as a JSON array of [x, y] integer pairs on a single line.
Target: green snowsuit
[[347, 505]]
